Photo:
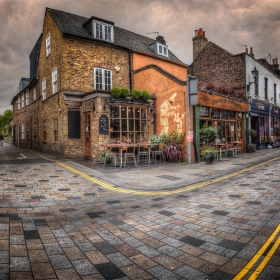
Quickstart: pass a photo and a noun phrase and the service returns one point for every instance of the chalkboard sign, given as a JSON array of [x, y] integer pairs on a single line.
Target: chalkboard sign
[[103, 125]]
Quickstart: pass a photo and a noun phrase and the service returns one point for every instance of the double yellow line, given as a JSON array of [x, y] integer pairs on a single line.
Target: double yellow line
[[151, 193], [274, 236]]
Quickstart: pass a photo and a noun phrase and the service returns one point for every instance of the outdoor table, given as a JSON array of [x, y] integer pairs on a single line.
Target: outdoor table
[[147, 144], [236, 143]]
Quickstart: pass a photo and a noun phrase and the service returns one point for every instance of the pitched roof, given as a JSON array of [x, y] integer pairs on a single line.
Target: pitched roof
[[71, 24]]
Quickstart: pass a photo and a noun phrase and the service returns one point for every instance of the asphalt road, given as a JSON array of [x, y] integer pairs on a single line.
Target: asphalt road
[[62, 219]]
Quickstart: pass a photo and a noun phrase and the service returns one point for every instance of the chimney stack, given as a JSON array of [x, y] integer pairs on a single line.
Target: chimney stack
[[275, 63], [161, 40], [251, 52], [199, 42]]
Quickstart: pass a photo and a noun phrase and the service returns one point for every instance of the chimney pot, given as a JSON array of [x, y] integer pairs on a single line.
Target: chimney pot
[[203, 33], [196, 32], [251, 50], [200, 32]]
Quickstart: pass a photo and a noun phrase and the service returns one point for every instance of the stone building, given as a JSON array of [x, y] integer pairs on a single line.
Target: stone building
[[254, 80], [67, 108]]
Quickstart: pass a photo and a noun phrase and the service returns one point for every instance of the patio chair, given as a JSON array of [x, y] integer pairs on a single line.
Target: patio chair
[[112, 154], [159, 153], [128, 152], [143, 151]]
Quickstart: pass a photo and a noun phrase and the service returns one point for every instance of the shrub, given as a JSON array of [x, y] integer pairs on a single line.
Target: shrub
[[124, 92], [252, 132], [136, 93], [116, 91], [145, 95], [208, 133]]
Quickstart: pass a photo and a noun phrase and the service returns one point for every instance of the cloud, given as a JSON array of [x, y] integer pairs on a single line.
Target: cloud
[[227, 23]]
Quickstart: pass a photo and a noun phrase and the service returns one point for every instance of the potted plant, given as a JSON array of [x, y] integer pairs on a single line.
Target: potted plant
[[251, 148], [209, 154], [108, 156]]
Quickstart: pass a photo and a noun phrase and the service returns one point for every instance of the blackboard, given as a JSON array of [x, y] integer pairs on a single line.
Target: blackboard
[[103, 125]]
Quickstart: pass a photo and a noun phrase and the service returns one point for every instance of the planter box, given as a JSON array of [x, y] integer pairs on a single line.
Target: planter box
[[251, 148]]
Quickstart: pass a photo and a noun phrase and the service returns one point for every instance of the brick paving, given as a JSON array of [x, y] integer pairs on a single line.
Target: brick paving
[[55, 224]]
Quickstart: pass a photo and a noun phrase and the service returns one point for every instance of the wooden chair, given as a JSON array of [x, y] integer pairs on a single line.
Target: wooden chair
[[239, 148], [158, 152], [231, 148]]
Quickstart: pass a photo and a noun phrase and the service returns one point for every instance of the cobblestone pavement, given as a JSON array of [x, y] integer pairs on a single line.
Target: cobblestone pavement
[[57, 223]]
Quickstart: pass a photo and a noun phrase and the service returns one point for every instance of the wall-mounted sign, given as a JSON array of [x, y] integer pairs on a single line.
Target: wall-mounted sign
[[275, 111], [260, 106], [190, 136], [103, 125]]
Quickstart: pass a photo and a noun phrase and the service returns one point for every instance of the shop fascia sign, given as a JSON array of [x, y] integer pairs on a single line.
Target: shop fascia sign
[[260, 106], [226, 100], [275, 111]]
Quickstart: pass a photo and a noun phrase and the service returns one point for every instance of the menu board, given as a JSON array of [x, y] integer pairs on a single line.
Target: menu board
[[103, 125]]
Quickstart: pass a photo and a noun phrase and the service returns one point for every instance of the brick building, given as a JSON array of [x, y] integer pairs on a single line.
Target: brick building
[[253, 80], [67, 108]]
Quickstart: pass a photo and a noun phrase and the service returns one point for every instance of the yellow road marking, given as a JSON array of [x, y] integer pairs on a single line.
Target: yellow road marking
[[183, 189], [256, 257]]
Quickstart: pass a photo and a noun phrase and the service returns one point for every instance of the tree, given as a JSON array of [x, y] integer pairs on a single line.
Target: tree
[[8, 115]]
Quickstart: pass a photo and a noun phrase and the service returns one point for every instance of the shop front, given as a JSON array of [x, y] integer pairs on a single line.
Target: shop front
[[260, 122], [274, 123], [228, 114]]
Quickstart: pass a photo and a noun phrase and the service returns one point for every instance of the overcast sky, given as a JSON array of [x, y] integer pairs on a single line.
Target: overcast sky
[[255, 23]]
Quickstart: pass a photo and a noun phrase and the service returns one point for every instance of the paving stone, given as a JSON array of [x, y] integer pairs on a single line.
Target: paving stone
[[133, 242], [191, 260], [172, 242], [53, 249], [43, 271], [105, 248], [31, 234], [190, 272], [4, 257], [67, 274], [232, 244], [233, 266], [247, 252], [192, 241], [167, 262], [109, 271], [59, 261], [38, 256], [135, 272], [65, 242], [118, 259], [84, 267], [22, 275], [143, 261], [148, 251], [220, 275], [19, 264], [17, 239], [96, 257], [170, 251], [161, 273], [209, 268]]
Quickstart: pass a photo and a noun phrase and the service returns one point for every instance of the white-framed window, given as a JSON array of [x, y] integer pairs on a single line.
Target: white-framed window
[[18, 103], [102, 79], [34, 94], [54, 80], [162, 49], [48, 45], [27, 97], [22, 131], [22, 100], [103, 31], [44, 90]]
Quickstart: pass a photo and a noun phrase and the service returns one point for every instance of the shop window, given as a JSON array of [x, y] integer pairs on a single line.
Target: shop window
[[87, 126], [74, 124], [204, 112], [231, 115], [224, 115], [128, 124], [230, 132], [215, 114], [102, 79], [239, 130], [55, 130], [45, 131]]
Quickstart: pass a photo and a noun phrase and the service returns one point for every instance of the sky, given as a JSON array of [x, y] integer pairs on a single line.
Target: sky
[[228, 23]]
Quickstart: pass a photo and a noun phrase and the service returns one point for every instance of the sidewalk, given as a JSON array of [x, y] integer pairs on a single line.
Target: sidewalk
[[169, 176]]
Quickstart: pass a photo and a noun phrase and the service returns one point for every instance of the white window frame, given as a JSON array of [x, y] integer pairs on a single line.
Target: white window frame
[[54, 81], [22, 100], [161, 48], [44, 89], [27, 97], [103, 83], [48, 45], [18, 102], [22, 132], [34, 94], [103, 31]]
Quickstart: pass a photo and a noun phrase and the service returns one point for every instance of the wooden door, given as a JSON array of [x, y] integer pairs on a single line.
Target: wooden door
[[87, 133]]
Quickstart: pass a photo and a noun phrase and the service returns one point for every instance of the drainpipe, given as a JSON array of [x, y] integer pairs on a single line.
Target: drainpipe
[[130, 70]]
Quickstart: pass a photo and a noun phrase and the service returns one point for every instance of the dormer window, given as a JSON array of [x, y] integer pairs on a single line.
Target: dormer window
[[159, 49], [103, 31], [162, 49]]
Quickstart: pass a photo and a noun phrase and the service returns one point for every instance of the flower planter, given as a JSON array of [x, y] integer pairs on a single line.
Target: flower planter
[[251, 148], [209, 157]]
